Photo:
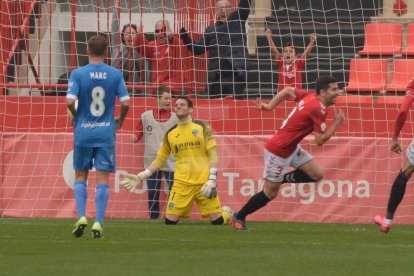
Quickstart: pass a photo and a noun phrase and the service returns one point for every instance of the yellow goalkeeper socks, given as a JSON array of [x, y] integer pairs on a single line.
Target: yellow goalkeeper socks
[[226, 217]]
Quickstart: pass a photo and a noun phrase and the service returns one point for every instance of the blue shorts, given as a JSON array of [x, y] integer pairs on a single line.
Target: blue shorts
[[103, 159]]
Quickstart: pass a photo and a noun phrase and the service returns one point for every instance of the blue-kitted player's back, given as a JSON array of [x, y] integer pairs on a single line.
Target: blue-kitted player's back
[[96, 87]]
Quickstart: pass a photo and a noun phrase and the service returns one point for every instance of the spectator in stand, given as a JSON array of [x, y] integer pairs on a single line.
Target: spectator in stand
[[153, 126], [124, 56], [226, 43], [63, 79], [170, 60], [290, 64]]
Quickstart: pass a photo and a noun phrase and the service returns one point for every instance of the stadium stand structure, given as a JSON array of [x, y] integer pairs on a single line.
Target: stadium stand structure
[[367, 75], [401, 73], [382, 39], [339, 26], [408, 50]]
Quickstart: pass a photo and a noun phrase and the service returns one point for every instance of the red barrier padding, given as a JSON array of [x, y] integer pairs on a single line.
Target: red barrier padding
[[366, 116]]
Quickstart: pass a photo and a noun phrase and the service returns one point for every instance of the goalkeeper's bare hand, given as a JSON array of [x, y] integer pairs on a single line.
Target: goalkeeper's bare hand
[[209, 189]]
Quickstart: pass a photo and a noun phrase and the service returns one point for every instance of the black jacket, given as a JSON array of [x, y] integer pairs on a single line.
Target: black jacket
[[225, 41]]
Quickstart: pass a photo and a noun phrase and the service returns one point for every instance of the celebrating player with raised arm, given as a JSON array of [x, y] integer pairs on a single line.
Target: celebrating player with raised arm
[[407, 169], [194, 148], [283, 149], [96, 87], [290, 65]]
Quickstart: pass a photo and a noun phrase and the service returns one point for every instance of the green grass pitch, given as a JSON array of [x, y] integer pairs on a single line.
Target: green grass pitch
[[138, 247]]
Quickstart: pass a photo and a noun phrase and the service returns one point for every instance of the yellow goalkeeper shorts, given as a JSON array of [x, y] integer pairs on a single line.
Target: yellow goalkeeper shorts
[[182, 196]]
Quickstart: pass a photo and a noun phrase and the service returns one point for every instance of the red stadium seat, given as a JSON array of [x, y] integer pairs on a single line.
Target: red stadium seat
[[367, 75], [409, 49], [402, 72], [382, 39]]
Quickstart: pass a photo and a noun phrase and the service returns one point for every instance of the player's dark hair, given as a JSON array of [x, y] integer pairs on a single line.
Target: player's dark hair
[[97, 45], [133, 26], [161, 90], [323, 82], [187, 99], [290, 44]]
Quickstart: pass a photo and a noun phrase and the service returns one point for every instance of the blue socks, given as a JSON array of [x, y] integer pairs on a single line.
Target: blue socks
[[81, 194], [101, 200]]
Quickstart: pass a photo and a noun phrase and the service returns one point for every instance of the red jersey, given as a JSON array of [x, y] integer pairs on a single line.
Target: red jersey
[[309, 115], [290, 74], [410, 85], [170, 63], [405, 106]]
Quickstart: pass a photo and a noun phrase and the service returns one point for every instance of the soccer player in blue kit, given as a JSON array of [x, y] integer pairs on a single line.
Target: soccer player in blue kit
[[95, 86]]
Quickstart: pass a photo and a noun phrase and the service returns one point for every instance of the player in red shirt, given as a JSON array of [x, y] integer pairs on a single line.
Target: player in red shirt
[[290, 65], [407, 169], [170, 59], [283, 149]]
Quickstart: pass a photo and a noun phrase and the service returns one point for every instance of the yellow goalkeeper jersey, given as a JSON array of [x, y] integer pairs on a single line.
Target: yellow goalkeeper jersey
[[189, 143]]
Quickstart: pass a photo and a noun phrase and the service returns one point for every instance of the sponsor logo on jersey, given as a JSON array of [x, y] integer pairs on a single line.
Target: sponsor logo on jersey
[[187, 145], [95, 124]]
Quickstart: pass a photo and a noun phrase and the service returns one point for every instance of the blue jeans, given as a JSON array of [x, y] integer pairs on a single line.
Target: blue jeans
[[154, 188]]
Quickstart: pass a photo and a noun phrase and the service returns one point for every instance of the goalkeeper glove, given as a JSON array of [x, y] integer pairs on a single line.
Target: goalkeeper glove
[[131, 181], [209, 189]]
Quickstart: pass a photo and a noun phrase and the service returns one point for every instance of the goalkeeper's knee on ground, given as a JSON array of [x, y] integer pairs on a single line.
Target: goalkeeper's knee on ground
[[218, 221], [170, 222]]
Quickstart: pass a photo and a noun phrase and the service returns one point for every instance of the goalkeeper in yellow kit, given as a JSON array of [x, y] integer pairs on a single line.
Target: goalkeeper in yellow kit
[[194, 148]]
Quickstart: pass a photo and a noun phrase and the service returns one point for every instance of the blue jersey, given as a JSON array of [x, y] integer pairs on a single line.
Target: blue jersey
[[96, 87]]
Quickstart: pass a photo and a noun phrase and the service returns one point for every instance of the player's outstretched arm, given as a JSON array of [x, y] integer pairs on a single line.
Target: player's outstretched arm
[[321, 139], [309, 48], [275, 51], [131, 181], [283, 95], [400, 121]]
